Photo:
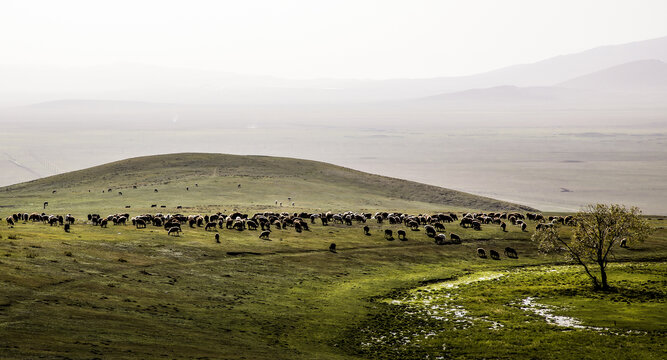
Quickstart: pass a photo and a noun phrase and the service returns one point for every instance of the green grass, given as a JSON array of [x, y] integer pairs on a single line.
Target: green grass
[[123, 292], [309, 184]]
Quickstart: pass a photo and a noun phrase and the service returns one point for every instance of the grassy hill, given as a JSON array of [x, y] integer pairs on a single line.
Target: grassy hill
[[126, 293], [205, 181]]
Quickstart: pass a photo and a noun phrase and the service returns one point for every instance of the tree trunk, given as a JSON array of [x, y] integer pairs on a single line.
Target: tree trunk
[[603, 277]]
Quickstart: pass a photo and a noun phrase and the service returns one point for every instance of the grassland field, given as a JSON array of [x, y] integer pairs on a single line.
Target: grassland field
[[123, 292]]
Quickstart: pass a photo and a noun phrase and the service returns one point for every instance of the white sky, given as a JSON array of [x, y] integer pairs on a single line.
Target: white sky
[[309, 38]]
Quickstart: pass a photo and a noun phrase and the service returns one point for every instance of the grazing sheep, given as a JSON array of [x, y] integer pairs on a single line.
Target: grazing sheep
[[430, 231], [523, 227], [210, 225], [332, 247], [120, 193], [217, 238], [476, 225], [503, 226], [252, 225], [46, 203], [388, 234], [66, 227], [624, 243], [367, 230], [265, 235], [401, 235], [511, 253], [298, 227], [154, 205], [10, 221], [103, 223], [174, 230], [439, 226], [481, 253], [140, 223], [455, 238], [494, 255], [440, 239], [155, 190]]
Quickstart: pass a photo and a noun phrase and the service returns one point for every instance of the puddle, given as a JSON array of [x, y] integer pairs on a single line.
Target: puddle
[[435, 301], [546, 311]]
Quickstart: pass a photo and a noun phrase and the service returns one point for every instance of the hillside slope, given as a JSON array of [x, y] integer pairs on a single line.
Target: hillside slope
[[200, 180]]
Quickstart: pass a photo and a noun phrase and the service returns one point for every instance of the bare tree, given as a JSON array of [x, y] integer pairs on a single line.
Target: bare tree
[[598, 229]]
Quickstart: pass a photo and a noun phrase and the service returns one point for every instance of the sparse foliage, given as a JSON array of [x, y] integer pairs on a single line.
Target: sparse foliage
[[598, 229]]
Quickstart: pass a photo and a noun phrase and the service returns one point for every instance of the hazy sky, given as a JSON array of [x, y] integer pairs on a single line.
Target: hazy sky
[[359, 38]]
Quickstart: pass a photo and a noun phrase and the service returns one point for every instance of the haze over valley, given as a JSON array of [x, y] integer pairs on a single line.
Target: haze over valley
[[542, 134]]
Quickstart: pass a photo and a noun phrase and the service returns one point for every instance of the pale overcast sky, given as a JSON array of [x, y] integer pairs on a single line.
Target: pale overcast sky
[[309, 38]]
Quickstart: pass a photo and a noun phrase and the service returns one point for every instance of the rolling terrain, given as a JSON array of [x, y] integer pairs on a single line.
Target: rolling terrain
[[206, 181], [123, 292]]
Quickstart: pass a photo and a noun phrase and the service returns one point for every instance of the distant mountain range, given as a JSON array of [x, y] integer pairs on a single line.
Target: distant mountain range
[[637, 66]]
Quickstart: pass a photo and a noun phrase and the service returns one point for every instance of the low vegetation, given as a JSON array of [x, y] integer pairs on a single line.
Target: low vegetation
[[128, 292]]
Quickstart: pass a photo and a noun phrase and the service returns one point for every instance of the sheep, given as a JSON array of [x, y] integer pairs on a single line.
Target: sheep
[[401, 235], [66, 228], [265, 235], [140, 223], [388, 234], [430, 231], [298, 227], [174, 230], [252, 225], [624, 243], [439, 226], [455, 238], [103, 223], [46, 203], [440, 239], [367, 230], [210, 225], [10, 221], [481, 253], [503, 226], [332, 247], [523, 226], [217, 238], [494, 255], [511, 253]]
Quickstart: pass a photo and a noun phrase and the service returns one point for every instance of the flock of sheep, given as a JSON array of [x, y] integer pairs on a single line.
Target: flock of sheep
[[432, 224]]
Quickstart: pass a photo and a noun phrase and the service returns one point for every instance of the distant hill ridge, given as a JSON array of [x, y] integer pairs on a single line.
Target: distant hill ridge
[[327, 180]]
